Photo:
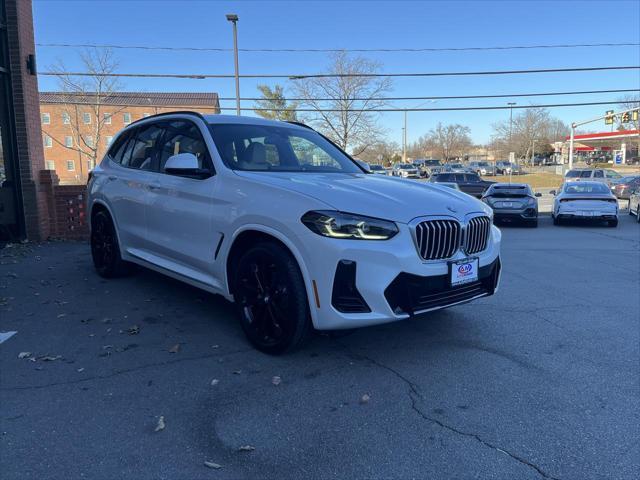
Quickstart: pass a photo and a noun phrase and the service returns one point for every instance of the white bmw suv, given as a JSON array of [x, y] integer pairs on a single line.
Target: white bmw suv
[[278, 219]]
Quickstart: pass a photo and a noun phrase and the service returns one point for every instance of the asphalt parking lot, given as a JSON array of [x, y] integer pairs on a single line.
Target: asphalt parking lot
[[539, 381]]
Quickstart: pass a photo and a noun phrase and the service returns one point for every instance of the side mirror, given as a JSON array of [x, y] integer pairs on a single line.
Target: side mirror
[[552, 192], [538, 194], [185, 164]]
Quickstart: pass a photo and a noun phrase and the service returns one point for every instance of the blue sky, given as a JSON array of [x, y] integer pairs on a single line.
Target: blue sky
[[362, 24]]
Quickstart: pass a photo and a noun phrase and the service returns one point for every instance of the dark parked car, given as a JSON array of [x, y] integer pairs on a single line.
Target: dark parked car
[[512, 202], [469, 182], [623, 187]]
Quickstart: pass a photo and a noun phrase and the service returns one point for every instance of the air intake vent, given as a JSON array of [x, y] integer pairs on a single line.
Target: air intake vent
[[438, 239], [478, 230]]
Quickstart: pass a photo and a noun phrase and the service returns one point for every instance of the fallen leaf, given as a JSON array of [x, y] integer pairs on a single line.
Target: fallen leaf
[[107, 347], [175, 348], [24, 354], [61, 315], [50, 358], [210, 464], [160, 425], [215, 346], [365, 399], [134, 330], [237, 372], [214, 382], [276, 380], [246, 448], [80, 370]]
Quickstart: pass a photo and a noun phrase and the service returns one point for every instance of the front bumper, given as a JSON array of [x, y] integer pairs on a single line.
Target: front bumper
[[380, 266]]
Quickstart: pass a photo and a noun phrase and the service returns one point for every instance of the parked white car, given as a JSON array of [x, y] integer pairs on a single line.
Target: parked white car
[[634, 203], [275, 217], [585, 200]]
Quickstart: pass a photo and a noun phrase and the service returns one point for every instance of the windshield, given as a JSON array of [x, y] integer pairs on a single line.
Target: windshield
[[574, 173], [432, 163], [483, 164], [376, 167], [278, 149], [406, 167], [456, 165], [580, 187]]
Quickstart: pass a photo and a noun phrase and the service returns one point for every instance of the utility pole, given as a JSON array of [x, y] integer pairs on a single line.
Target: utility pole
[[233, 18], [404, 139], [511, 104]]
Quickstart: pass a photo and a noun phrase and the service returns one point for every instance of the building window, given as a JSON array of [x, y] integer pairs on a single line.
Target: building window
[[126, 118], [108, 140], [66, 119], [86, 118], [71, 166], [107, 119], [90, 165], [88, 139], [46, 118], [51, 165], [48, 141], [68, 141], [145, 115]]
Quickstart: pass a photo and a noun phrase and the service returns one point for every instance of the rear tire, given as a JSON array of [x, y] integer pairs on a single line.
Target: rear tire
[[105, 250], [271, 299], [556, 220], [612, 223]]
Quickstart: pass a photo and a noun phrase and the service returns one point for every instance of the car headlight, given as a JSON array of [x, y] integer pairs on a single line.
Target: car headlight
[[348, 226]]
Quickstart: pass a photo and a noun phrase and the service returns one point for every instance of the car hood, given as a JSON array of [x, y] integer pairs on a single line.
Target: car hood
[[374, 195]]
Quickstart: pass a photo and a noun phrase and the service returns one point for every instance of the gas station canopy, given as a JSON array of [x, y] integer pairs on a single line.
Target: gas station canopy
[[604, 140]]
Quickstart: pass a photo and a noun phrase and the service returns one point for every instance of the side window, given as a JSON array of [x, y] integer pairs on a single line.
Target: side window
[[182, 136], [472, 178], [142, 149], [118, 148], [585, 174], [598, 174], [458, 178], [446, 177]]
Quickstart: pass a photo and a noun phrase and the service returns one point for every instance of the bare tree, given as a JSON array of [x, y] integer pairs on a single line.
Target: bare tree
[[273, 104], [448, 141], [533, 128], [88, 94], [381, 153], [353, 123]]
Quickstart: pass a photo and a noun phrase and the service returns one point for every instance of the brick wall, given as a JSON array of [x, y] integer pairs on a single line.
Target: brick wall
[[24, 86]]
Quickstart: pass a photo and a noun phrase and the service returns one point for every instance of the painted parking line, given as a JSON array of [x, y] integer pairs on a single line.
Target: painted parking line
[[6, 336]]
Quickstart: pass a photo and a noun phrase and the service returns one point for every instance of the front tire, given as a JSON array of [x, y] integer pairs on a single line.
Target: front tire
[[271, 299], [612, 223], [556, 220], [105, 250]]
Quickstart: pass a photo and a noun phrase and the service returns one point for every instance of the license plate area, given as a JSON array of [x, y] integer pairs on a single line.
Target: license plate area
[[463, 271]]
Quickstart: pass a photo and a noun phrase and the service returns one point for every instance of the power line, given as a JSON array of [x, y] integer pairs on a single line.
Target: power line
[[432, 109], [340, 75], [336, 50], [454, 97]]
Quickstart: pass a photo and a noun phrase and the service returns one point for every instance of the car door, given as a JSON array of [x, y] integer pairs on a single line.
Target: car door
[[180, 230], [127, 184]]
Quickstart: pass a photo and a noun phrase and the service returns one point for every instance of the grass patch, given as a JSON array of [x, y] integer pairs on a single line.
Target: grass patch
[[535, 180]]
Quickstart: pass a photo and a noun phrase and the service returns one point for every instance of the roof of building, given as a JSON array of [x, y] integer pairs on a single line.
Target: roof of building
[[154, 99]]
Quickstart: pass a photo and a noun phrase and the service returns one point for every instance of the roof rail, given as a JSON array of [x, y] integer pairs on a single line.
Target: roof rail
[[177, 112], [300, 124]]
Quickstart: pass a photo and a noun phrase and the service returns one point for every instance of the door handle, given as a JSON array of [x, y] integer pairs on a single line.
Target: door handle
[[153, 187], [112, 177]]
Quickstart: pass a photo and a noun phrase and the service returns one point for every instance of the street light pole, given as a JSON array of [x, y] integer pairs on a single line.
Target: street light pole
[[233, 18], [511, 104], [404, 139]]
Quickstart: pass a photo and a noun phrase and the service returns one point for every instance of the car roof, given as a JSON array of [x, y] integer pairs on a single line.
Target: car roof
[[244, 120], [512, 185], [583, 183]]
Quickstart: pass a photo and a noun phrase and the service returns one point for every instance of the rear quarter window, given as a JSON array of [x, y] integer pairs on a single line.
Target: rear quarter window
[[119, 146]]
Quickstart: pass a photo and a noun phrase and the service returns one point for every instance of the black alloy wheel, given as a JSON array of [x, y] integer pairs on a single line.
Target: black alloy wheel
[[271, 299], [104, 247]]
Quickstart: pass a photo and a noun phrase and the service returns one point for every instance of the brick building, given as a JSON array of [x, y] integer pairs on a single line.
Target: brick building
[[77, 129]]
